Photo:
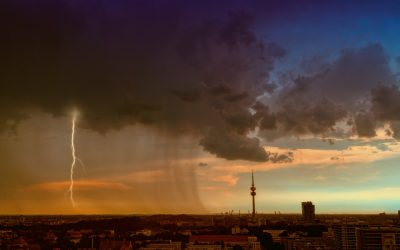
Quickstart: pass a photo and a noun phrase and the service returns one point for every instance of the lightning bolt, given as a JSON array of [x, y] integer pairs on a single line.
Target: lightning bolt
[[74, 159]]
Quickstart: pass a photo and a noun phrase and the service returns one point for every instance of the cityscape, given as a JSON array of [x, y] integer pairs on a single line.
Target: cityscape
[[225, 231], [199, 125]]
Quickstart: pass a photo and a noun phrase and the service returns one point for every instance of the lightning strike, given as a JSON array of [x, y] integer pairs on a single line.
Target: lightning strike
[[74, 159]]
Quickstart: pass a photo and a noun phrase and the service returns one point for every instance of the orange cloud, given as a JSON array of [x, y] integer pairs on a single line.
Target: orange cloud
[[231, 180], [81, 184], [212, 188], [227, 172], [147, 176]]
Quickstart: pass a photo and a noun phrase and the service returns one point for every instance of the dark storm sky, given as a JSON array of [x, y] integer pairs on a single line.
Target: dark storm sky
[[235, 82]]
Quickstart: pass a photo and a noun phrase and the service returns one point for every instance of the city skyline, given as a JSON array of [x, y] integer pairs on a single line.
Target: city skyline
[[152, 107]]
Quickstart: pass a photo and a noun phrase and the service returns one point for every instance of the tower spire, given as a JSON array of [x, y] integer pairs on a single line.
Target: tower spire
[[253, 193], [252, 178]]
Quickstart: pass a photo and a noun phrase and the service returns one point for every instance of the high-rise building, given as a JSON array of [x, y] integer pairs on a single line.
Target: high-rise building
[[253, 194], [377, 238], [345, 234], [308, 211]]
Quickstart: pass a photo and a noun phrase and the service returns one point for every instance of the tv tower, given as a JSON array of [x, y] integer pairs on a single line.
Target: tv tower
[[253, 193]]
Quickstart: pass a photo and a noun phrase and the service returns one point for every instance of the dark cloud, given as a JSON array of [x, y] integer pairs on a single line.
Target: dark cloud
[[266, 119], [220, 89], [317, 117], [239, 120], [356, 71], [122, 62], [237, 97], [349, 78], [270, 87], [188, 95], [280, 158], [365, 125], [298, 110], [316, 102], [385, 107], [233, 147], [386, 102], [395, 126]]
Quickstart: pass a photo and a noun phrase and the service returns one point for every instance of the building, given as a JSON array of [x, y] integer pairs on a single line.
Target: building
[[307, 243], [275, 234], [226, 242], [377, 238], [308, 211], [204, 247], [166, 245], [345, 234], [115, 244]]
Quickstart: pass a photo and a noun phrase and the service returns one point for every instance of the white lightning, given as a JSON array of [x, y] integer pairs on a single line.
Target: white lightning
[[74, 159]]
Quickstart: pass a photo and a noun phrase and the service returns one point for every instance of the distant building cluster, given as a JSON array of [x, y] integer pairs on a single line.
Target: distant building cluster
[[225, 231], [204, 232]]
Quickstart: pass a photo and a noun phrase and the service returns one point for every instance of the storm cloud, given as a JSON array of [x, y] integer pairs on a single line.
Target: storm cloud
[[357, 88], [124, 63]]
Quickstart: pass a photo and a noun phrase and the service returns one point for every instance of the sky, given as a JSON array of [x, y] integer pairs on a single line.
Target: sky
[[174, 103]]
